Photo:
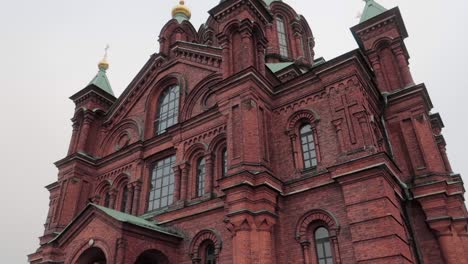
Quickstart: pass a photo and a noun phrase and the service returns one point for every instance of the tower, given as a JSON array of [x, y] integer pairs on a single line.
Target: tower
[[234, 144]]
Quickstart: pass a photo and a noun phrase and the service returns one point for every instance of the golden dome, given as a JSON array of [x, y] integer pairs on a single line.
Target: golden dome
[[181, 8], [103, 64]]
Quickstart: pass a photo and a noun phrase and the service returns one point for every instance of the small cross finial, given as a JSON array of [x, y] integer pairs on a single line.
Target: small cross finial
[[103, 64], [105, 51]]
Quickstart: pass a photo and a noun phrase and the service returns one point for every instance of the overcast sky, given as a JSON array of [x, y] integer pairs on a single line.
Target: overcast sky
[[49, 50]]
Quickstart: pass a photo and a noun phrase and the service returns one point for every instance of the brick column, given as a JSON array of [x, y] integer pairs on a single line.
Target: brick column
[[262, 240], [112, 198], [128, 208], [306, 252], [87, 120], [403, 66], [448, 241], [177, 183], [209, 173], [375, 61], [185, 167], [76, 126], [136, 197], [121, 248]]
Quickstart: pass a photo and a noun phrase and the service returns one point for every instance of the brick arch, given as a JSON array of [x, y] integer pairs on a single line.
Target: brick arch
[[315, 216], [203, 236], [97, 243], [308, 115], [195, 150]]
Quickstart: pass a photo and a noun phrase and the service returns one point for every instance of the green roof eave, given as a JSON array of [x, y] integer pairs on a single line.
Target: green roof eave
[[276, 67], [371, 10], [121, 217], [101, 81]]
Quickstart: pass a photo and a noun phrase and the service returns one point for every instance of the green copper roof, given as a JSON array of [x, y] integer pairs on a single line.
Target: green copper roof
[[131, 219], [101, 81], [371, 10], [276, 67]]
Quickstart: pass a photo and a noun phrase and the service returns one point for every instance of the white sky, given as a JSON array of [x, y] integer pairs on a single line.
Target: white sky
[[49, 50]]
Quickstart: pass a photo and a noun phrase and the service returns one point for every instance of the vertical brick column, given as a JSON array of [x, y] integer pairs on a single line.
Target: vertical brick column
[[76, 126], [403, 65], [121, 248], [374, 214], [262, 240], [209, 173], [136, 197], [128, 208], [177, 183], [185, 167], [85, 128]]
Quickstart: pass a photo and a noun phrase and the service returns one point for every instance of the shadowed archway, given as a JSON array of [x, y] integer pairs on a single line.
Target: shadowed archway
[[152, 257], [92, 255]]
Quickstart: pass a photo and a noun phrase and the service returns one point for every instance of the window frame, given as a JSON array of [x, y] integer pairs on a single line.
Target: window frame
[[171, 114], [307, 144], [316, 243], [200, 179], [170, 195], [281, 31]]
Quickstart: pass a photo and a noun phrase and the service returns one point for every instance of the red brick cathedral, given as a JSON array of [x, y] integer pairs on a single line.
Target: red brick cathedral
[[234, 144]]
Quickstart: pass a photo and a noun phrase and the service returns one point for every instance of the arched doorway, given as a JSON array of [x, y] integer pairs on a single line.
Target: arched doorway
[[92, 255], [152, 257]]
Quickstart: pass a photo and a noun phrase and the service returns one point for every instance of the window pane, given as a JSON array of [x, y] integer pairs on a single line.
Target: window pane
[[168, 109], [201, 172], [308, 147], [161, 193], [283, 44]]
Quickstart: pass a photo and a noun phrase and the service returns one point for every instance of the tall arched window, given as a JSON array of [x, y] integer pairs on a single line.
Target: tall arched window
[[201, 173], [224, 163], [308, 147], [323, 246], [162, 184], [282, 38], [168, 109], [210, 257], [123, 203]]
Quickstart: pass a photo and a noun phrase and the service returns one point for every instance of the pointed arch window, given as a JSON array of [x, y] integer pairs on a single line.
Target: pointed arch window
[[201, 175], [323, 246], [168, 109], [282, 37], [309, 153]]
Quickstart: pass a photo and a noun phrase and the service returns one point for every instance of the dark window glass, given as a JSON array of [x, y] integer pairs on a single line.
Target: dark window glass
[[322, 244], [201, 173], [168, 110], [224, 163], [210, 254], [308, 147], [106, 199], [162, 184], [282, 38], [123, 204]]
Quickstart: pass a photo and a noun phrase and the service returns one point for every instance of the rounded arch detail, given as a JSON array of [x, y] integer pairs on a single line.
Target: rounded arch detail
[[96, 243], [309, 116], [124, 134], [201, 237], [317, 215]]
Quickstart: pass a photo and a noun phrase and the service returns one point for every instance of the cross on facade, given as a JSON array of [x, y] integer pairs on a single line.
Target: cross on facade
[[346, 107]]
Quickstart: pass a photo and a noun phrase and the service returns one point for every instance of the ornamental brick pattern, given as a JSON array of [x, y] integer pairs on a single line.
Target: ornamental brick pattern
[[383, 187]]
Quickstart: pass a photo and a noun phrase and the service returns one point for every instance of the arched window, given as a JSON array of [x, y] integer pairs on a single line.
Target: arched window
[[282, 37], [168, 109], [123, 199], [201, 173], [106, 198], [210, 256], [323, 246], [162, 184], [224, 163], [309, 154]]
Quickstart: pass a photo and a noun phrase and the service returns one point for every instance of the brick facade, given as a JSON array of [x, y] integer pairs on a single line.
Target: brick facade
[[380, 183]]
